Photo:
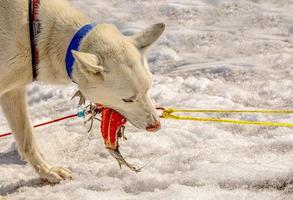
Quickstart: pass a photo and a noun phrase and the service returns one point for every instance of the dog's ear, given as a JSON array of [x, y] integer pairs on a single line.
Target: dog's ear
[[89, 62], [146, 38]]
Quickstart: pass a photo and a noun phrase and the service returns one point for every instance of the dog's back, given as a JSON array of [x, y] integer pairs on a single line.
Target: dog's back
[[13, 27]]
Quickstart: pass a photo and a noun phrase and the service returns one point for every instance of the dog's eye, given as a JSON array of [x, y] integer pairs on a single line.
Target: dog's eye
[[128, 100]]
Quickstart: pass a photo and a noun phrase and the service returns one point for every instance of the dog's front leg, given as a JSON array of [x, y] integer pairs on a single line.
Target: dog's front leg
[[15, 108]]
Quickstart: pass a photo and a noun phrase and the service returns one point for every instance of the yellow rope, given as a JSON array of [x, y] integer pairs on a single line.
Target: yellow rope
[[167, 114], [173, 110]]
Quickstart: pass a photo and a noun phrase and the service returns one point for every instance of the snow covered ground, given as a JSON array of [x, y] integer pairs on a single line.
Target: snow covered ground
[[223, 54]]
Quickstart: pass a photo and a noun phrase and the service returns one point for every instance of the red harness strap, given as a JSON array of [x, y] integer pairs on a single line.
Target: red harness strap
[[34, 27]]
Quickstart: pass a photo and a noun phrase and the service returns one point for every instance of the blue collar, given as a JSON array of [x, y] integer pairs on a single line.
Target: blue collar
[[74, 45]]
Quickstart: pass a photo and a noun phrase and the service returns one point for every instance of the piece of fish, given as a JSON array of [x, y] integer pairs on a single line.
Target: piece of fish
[[82, 99], [92, 111], [121, 161]]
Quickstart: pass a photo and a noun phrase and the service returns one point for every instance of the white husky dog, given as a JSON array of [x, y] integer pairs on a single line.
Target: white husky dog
[[110, 69]]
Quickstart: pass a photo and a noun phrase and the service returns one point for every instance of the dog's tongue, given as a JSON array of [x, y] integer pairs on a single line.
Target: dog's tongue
[[111, 124]]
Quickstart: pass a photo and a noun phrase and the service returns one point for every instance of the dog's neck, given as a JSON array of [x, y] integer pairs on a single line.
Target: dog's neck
[[59, 24]]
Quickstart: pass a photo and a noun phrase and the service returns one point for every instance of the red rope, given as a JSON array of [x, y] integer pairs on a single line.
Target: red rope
[[54, 121], [44, 124]]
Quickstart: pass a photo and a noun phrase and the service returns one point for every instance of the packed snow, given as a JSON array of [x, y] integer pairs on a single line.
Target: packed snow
[[215, 54]]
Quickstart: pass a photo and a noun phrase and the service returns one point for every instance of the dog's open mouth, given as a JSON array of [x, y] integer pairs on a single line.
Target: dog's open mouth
[[112, 128]]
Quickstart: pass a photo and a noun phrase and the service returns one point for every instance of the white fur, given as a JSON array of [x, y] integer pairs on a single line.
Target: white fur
[[109, 67]]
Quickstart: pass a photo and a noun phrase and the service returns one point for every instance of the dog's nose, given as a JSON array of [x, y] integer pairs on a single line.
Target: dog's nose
[[154, 127]]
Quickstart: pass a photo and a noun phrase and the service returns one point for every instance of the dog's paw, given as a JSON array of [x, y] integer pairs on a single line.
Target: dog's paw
[[56, 175]]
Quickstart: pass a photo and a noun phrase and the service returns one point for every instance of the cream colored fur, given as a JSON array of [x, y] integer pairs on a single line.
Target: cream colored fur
[[111, 69]]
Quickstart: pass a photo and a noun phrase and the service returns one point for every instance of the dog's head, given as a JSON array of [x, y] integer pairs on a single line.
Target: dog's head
[[111, 69]]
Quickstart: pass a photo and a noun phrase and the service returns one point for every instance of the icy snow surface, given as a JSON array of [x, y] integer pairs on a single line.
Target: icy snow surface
[[215, 54]]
